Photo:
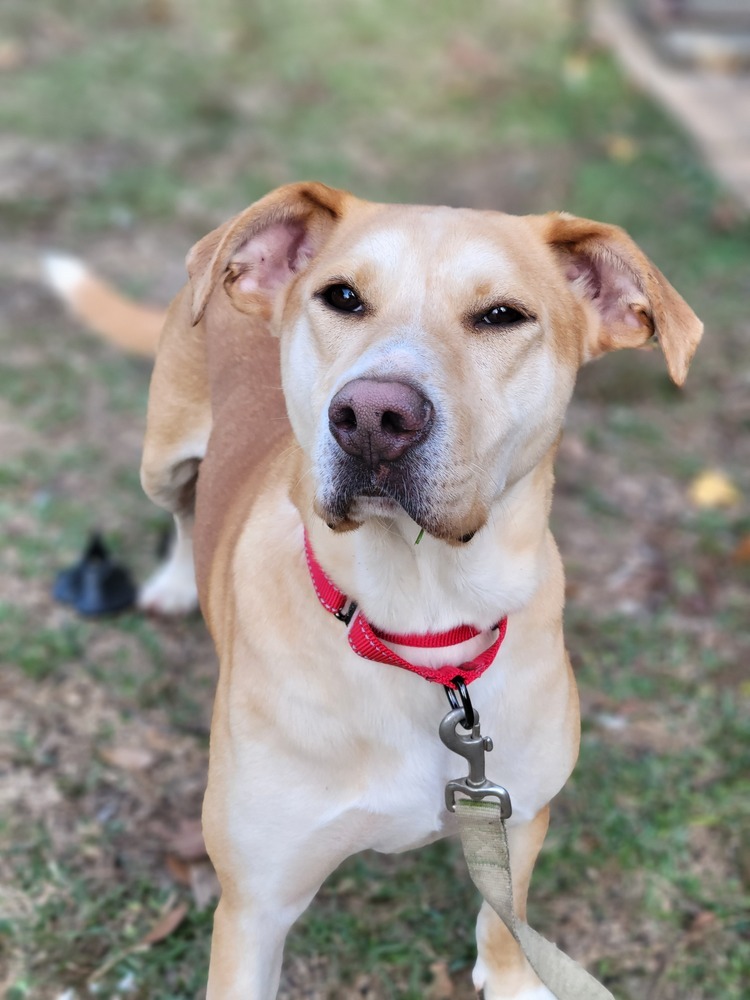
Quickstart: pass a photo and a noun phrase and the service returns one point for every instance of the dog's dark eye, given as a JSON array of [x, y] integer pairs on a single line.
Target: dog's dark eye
[[343, 298], [501, 316]]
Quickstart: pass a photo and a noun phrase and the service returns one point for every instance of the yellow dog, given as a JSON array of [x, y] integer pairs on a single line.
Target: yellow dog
[[427, 357]]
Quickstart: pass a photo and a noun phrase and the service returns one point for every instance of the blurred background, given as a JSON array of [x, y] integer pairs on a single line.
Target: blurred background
[[132, 127]]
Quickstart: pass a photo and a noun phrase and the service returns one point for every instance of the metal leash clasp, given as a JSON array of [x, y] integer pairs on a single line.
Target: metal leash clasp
[[472, 746]]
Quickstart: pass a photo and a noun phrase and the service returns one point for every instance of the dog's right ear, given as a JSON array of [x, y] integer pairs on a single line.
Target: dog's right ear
[[259, 251]]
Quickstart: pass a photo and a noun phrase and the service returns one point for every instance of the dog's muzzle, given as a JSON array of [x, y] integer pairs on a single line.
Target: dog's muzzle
[[378, 426]]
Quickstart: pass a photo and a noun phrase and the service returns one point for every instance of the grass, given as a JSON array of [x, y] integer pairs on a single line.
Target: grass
[[671, 815], [76, 926], [154, 121]]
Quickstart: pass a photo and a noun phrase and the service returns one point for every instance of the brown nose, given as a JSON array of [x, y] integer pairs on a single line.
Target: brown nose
[[379, 421]]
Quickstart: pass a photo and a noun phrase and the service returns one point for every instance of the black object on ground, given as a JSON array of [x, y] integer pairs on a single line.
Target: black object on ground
[[96, 585]]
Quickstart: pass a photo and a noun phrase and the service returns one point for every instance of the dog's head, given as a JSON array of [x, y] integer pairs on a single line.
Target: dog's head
[[429, 353]]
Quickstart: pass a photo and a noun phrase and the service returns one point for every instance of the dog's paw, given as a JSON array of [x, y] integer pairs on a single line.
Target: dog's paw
[[487, 990], [532, 993], [170, 591]]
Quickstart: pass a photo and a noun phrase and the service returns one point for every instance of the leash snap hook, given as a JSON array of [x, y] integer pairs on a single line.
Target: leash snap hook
[[472, 747]]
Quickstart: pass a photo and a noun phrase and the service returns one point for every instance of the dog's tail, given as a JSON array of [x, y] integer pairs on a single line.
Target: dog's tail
[[133, 327]]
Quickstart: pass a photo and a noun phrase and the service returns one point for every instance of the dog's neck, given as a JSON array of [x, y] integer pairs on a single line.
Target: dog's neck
[[432, 586]]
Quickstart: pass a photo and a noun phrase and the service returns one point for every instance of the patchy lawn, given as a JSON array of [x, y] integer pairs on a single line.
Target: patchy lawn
[[129, 129]]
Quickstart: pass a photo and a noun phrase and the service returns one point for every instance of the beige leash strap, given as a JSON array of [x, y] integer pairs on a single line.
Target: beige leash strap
[[485, 845]]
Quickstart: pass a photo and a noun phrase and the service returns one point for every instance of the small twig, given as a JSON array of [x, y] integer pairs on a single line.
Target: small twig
[[134, 949], [105, 967]]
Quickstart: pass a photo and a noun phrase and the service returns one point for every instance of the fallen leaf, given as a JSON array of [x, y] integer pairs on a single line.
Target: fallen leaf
[[166, 924], [204, 884], [573, 449], [441, 986], [576, 68], [159, 12], [187, 843], [702, 921], [363, 986], [127, 758], [158, 741], [727, 214], [12, 55], [712, 489], [467, 55], [743, 858], [621, 148], [741, 553], [178, 869]]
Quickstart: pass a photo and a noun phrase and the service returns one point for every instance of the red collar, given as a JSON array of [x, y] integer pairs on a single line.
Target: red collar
[[369, 642]]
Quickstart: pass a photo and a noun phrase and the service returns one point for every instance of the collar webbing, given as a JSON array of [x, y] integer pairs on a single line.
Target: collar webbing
[[370, 642]]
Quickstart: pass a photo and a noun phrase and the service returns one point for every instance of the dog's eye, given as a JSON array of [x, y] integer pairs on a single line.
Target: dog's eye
[[343, 298], [501, 316]]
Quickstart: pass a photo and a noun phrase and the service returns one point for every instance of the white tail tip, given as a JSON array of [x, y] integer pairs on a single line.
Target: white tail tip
[[63, 272]]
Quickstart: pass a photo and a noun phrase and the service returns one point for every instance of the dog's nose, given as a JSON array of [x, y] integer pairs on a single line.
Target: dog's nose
[[379, 421]]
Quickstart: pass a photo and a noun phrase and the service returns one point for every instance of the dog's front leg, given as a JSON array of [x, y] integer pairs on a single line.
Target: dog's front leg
[[501, 971], [266, 885], [274, 831], [247, 948]]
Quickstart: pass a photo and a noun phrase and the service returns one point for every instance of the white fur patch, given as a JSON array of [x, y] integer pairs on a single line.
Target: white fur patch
[[172, 590], [63, 273], [535, 993], [386, 247], [494, 992]]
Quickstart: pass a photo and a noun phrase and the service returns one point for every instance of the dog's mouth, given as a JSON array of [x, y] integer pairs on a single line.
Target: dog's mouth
[[358, 493], [355, 488]]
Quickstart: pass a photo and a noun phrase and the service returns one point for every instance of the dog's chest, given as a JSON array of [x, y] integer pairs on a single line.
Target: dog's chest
[[385, 781], [359, 739], [406, 800]]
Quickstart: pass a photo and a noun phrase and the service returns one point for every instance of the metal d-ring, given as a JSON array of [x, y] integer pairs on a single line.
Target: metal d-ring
[[346, 616], [465, 703]]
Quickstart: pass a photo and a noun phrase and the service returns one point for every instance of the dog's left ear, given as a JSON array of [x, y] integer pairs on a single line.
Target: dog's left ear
[[631, 299]]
